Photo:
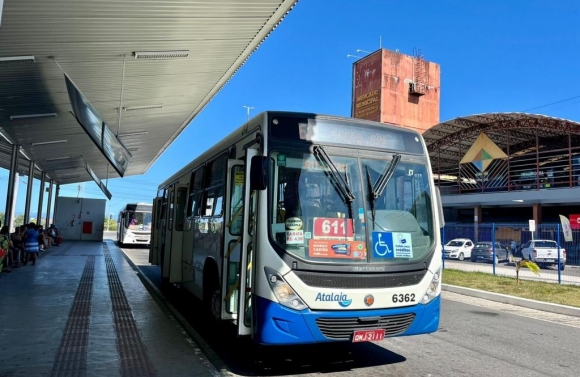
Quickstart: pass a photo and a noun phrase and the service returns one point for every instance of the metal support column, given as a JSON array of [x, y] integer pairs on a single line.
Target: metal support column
[[40, 198], [57, 193], [14, 198], [11, 181], [48, 222], [29, 192]]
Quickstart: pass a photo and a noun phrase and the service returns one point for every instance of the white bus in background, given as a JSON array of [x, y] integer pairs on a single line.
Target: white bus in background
[[134, 224]]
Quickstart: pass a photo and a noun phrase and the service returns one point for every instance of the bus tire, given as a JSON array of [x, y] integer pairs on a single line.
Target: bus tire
[[211, 290]]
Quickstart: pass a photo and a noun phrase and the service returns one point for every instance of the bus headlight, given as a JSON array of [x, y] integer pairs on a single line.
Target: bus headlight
[[434, 288], [283, 292]]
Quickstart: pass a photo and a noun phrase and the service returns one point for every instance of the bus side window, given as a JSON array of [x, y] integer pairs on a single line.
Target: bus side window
[[195, 191], [170, 210], [237, 196], [180, 210], [215, 179]]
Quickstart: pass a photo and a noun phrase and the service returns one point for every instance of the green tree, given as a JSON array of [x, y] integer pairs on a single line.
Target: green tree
[[527, 264], [19, 220], [110, 224]]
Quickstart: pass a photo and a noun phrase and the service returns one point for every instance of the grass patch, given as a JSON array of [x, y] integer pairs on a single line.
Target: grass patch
[[535, 290]]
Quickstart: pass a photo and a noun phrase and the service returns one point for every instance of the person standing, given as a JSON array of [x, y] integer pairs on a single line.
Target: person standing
[[6, 245], [31, 245]]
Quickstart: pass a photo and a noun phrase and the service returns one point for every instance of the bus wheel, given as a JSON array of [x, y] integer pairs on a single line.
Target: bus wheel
[[215, 307], [212, 295]]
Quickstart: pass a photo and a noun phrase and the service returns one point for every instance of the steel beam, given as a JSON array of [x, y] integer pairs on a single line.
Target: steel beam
[[13, 176], [56, 200], [41, 198], [29, 192], [48, 222]]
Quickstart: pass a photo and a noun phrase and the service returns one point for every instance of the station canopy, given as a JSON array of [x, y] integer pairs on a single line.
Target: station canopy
[[136, 71], [514, 133]]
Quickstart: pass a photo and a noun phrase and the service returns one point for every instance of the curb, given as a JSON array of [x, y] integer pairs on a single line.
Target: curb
[[218, 366], [506, 299]]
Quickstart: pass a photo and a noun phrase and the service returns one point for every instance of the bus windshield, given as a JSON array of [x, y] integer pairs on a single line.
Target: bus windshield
[[138, 220], [337, 209]]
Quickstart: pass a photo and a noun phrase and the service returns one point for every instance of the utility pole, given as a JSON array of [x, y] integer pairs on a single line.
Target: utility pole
[[248, 108]]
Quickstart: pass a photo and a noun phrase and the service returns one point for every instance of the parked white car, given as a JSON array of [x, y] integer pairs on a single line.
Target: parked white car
[[458, 248], [544, 253]]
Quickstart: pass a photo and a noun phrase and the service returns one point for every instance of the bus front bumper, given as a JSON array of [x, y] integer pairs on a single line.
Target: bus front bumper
[[279, 325]]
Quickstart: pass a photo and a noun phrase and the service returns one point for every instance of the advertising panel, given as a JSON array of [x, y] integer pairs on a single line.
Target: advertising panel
[[98, 130], [575, 221], [98, 182], [366, 101]]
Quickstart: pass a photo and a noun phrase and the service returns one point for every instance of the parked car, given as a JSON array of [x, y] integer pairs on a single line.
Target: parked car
[[483, 251], [458, 248], [544, 253]]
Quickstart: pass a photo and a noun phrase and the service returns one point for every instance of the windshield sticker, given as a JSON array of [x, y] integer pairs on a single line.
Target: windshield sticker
[[325, 228], [392, 245], [341, 298], [239, 177], [337, 249], [294, 231], [281, 160]]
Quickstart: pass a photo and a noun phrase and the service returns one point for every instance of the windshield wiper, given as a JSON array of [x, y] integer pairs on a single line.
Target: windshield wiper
[[342, 184], [376, 191], [385, 177]]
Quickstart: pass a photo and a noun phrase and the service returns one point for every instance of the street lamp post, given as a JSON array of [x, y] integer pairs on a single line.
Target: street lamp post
[[248, 108]]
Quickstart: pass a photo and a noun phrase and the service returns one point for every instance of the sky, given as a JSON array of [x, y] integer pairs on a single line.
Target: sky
[[495, 56]]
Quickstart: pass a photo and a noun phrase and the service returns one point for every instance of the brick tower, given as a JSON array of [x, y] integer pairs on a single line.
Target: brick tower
[[391, 87]]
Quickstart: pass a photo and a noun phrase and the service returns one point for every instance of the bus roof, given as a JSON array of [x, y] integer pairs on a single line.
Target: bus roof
[[242, 131]]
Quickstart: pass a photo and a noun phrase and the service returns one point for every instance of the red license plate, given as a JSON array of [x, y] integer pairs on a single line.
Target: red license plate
[[368, 336]]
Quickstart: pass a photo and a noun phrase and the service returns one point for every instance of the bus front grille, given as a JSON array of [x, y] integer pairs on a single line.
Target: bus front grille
[[341, 281], [343, 328]]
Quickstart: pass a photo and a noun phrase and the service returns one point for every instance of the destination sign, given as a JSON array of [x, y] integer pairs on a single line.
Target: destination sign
[[345, 133]]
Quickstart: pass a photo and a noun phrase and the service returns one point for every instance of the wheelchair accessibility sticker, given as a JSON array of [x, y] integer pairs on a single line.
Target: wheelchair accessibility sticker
[[392, 245]]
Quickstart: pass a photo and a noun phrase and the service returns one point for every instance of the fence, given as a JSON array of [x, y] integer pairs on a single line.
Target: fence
[[503, 237]]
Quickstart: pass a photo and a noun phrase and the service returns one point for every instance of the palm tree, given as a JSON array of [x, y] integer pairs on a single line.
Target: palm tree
[[532, 266]]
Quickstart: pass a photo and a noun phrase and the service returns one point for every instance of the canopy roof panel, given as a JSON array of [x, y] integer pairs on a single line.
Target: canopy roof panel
[[147, 67], [514, 133]]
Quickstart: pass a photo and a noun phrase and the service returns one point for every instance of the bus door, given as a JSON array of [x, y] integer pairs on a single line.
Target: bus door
[[155, 243], [167, 234], [179, 208], [237, 272]]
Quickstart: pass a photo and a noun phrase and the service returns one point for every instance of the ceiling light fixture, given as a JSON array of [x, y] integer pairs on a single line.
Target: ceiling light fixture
[[161, 54], [138, 133], [145, 107], [7, 138], [12, 117], [17, 59], [25, 155], [58, 158], [48, 142]]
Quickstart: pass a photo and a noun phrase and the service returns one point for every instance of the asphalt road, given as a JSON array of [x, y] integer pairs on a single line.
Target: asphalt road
[[476, 338]]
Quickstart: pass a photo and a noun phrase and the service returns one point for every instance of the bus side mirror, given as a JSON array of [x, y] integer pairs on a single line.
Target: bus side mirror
[[259, 173]]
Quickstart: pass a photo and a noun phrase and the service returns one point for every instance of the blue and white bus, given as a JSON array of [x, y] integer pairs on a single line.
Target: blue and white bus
[[303, 228]]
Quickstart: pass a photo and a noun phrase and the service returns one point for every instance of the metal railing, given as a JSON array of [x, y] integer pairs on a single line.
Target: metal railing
[[512, 237]]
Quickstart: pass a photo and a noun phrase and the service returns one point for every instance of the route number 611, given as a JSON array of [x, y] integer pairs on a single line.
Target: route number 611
[[333, 227]]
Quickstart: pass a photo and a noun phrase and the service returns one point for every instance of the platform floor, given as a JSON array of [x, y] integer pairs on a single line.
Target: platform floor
[[83, 311]]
